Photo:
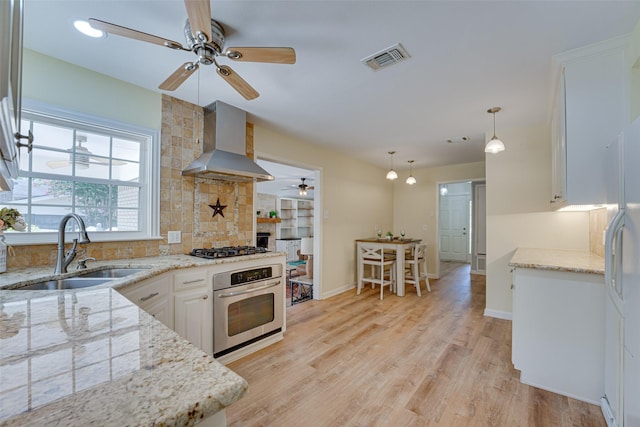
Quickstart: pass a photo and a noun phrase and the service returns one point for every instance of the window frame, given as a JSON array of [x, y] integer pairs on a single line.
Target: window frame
[[149, 212]]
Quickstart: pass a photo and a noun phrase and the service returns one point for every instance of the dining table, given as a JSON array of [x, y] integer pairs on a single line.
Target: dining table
[[399, 246]]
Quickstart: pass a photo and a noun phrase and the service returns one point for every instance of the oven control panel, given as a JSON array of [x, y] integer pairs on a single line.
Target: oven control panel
[[241, 277], [246, 276]]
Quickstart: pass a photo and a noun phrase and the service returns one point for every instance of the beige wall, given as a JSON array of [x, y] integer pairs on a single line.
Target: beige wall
[[65, 85], [354, 197], [415, 206], [518, 210]]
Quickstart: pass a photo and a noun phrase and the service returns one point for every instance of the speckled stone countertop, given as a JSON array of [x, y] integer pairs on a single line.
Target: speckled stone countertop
[[92, 357], [558, 260]]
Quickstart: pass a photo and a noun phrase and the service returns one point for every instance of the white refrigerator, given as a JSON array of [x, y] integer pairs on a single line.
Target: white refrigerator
[[621, 398]]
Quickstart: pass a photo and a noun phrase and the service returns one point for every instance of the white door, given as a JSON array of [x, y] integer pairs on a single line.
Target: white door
[[454, 228]]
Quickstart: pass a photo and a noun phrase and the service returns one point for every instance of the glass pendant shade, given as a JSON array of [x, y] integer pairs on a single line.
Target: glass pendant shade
[[391, 175], [494, 146], [411, 180]]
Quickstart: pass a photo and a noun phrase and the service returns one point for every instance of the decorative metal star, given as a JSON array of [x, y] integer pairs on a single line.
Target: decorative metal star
[[218, 208]]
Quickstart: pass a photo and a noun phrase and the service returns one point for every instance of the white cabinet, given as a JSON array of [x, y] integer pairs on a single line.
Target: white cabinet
[[558, 331], [290, 247], [296, 218], [193, 307], [153, 296], [591, 108], [10, 89]]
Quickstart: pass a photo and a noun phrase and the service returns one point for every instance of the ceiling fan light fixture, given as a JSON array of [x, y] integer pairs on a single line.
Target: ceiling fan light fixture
[[85, 28], [411, 180], [494, 145], [303, 187], [391, 175]]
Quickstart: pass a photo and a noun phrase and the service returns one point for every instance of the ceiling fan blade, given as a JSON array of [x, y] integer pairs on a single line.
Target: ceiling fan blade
[[199, 12], [134, 34], [238, 83], [105, 162], [277, 55], [178, 77], [56, 164]]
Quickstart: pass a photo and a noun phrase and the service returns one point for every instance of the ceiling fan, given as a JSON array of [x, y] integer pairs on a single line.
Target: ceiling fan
[[303, 187], [83, 157], [205, 37]]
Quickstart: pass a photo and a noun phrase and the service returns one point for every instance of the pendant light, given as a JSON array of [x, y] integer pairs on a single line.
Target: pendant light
[[494, 146], [411, 180], [391, 175]]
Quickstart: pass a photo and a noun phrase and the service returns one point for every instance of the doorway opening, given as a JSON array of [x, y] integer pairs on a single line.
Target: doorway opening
[[289, 209], [461, 226]]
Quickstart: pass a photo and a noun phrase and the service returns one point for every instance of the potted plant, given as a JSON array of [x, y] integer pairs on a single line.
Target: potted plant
[[11, 219], [273, 214], [389, 235]]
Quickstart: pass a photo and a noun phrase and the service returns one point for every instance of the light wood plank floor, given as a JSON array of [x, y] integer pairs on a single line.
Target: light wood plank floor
[[357, 361]]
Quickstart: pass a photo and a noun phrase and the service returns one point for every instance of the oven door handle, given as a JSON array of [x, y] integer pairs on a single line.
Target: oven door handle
[[248, 291]]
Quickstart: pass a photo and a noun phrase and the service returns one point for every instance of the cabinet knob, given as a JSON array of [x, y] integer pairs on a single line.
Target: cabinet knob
[[205, 297]]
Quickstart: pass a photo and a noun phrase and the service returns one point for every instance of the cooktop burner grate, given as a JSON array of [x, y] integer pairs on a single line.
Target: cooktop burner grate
[[227, 251]]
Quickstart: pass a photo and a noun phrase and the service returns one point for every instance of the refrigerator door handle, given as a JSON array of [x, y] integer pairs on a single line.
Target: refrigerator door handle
[[609, 253]]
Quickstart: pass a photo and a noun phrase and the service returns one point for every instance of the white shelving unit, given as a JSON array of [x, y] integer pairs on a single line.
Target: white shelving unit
[[296, 218]]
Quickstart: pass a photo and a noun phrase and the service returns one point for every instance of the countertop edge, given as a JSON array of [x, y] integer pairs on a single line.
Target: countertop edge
[[558, 260], [232, 388]]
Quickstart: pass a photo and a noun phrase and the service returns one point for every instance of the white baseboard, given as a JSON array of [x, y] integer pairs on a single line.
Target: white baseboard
[[334, 292], [525, 380], [505, 315]]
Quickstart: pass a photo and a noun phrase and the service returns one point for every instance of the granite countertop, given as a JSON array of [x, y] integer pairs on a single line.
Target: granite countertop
[[90, 356], [558, 260]]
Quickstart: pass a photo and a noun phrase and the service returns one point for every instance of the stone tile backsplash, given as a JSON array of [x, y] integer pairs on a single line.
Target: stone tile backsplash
[[184, 201]]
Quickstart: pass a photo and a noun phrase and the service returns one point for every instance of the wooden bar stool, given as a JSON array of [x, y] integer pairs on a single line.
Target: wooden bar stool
[[373, 255], [416, 268]]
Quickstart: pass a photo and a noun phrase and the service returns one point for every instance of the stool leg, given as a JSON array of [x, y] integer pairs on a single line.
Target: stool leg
[[426, 276], [416, 277]]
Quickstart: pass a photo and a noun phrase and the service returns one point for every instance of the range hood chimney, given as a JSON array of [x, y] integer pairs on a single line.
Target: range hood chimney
[[224, 147]]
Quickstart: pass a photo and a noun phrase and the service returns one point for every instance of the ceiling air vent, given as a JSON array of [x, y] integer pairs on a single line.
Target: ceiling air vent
[[384, 58]]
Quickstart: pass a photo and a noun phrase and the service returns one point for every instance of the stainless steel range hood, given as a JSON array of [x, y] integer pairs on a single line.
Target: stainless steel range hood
[[224, 147]]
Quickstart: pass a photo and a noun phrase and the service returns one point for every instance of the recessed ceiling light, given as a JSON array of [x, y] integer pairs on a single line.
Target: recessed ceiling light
[[86, 29]]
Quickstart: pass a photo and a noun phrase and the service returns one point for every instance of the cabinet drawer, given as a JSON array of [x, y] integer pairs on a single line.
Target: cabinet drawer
[[190, 279], [148, 292]]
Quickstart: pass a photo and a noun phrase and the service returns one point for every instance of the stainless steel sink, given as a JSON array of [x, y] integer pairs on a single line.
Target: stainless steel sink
[[113, 273], [82, 280], [68, 283]]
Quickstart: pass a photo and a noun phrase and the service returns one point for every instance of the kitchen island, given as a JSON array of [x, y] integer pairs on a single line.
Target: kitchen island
[[90, 356]]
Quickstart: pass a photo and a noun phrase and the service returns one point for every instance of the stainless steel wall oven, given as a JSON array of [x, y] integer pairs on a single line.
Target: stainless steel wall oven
[[248, 305]]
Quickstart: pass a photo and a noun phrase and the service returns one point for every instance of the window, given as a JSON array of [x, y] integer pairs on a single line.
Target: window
[[98, 169]]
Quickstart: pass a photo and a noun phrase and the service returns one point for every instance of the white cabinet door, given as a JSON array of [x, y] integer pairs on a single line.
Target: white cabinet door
[[596, 108], [194, 316], [154, 297], [162, 310]]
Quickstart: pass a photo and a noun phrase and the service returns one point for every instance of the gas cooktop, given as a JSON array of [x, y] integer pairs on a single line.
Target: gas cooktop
[[227, 251]]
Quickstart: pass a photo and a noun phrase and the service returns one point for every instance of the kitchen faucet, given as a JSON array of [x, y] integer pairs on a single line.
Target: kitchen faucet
[[63, 260]]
